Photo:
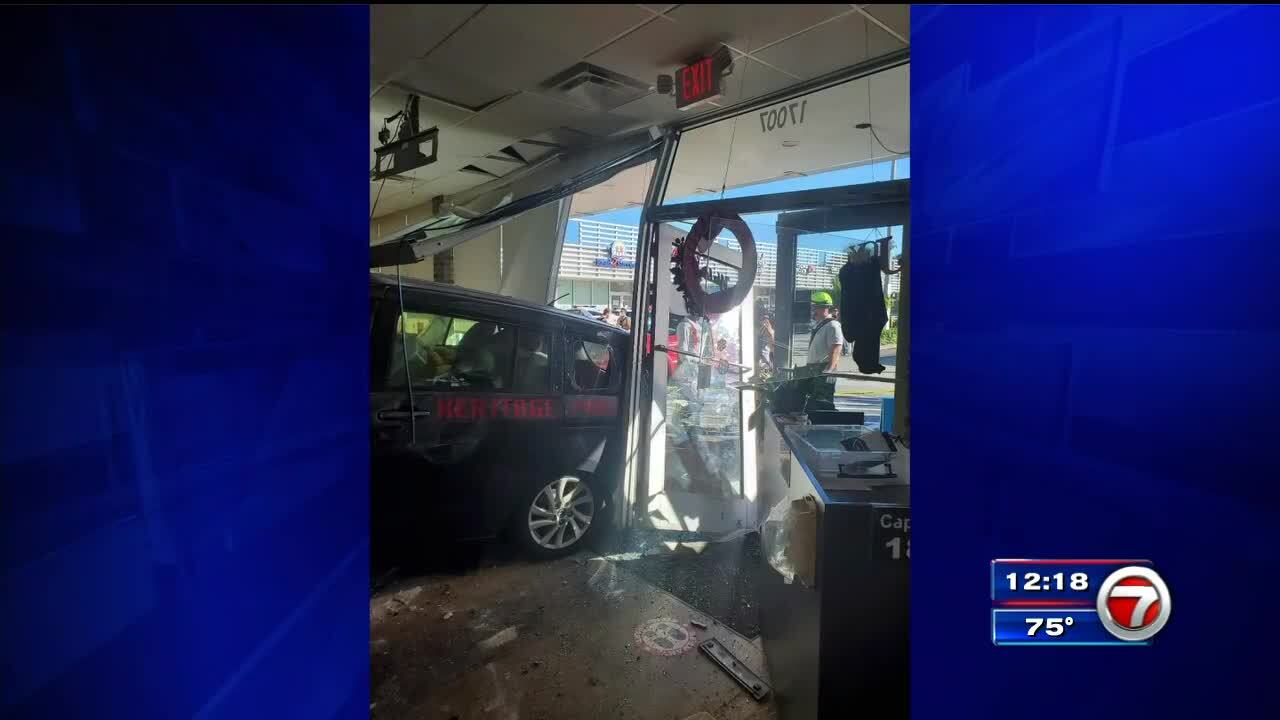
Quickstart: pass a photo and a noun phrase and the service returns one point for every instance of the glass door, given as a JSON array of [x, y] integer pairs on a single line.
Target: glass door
[[702, 458], [702, 451], [819, 259]]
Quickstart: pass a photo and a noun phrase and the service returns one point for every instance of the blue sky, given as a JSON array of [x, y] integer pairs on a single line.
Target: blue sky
[[763, 225]]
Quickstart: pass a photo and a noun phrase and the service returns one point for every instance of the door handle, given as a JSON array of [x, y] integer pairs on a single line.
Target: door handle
[[402, 414]]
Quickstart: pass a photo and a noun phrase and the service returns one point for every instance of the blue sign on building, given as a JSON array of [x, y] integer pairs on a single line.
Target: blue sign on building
[[616, 251]]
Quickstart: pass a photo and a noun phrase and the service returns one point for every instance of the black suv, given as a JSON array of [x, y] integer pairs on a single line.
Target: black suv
[[490, 414]]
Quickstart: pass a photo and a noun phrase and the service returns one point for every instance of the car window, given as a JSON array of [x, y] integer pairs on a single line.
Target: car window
[[447, 353], [592, 365], [532, 372], [457, 331]]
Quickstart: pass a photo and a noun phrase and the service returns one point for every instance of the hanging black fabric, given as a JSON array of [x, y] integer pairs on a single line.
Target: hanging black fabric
[[862, 313]]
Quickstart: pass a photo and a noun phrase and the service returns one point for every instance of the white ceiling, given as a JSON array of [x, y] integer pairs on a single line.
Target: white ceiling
[[486, 64]]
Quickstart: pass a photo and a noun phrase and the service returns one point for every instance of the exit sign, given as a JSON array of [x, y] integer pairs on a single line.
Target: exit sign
[[697, 82]]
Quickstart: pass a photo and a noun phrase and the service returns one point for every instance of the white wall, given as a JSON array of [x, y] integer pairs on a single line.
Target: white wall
[[384, 225], [531, 252], [475, 263]]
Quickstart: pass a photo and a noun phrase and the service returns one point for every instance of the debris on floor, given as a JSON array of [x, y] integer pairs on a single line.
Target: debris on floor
[[521, 635], [719, 579]]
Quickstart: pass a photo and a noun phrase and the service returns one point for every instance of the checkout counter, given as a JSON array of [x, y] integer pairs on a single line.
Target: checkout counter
[[834, 599]]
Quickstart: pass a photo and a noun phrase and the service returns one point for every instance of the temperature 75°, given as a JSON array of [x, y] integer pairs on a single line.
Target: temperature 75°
[[1053, 627]]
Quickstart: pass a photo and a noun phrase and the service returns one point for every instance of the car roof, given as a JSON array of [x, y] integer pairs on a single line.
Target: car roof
[[453, 291]]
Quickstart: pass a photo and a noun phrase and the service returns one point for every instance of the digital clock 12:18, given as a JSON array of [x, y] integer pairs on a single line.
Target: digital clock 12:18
[[1035, 582]]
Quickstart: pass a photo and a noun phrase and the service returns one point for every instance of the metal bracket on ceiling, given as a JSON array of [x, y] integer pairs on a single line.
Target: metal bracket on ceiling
[[405, 149]]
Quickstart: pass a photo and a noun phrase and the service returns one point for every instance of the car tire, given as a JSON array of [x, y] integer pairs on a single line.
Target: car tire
[[554, 518]]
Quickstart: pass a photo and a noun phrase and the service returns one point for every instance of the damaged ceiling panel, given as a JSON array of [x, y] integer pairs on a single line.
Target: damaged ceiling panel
[[545, 79]]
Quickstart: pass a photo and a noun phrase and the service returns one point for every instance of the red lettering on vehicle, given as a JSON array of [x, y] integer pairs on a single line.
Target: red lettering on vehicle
[[592, 407]]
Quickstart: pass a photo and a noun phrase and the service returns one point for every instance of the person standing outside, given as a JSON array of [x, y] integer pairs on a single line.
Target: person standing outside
[[765, 341], [844, 347], [825, 341]]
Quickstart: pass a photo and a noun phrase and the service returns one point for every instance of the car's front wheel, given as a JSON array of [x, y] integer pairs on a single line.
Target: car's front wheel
[[555, 519]]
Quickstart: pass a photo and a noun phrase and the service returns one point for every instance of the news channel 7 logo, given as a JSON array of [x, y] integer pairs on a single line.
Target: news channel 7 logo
[[1077, 602]]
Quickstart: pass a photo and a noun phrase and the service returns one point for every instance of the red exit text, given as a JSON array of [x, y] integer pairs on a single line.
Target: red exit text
[[697, 82]]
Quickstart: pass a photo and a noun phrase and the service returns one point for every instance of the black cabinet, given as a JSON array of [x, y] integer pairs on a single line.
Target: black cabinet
[[837, 646]]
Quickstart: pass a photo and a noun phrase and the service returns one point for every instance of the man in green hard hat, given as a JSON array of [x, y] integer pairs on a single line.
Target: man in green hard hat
[[825, 341]]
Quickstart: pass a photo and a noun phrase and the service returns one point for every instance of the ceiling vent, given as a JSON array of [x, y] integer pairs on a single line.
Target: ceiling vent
[[593, 88]]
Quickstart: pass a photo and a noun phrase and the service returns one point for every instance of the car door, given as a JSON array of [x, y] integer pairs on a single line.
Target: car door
[[474, 407], [593, 411], [398, 491]]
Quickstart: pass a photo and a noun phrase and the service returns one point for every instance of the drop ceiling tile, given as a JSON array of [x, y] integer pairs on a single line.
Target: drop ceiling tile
[[533, 153], [653, 109], [521, 46], [447, 184], [751, 79], [896, 17], [399, 34], [837, 44], [600, 125], [495, 167], [881, 43], [655, 49], [748, 27], [443, 81], [522, 116], [562, 136]]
